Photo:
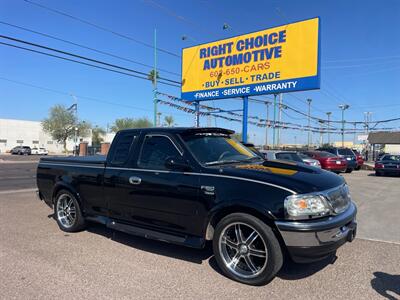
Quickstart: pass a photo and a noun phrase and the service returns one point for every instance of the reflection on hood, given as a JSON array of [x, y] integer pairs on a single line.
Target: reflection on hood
[[274, 170]]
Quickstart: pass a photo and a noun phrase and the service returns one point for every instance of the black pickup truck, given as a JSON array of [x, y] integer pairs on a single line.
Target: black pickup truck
[[191, 185]]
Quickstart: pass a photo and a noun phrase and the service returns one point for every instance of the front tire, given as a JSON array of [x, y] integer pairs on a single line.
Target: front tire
[[68, 213], [349, 170], [246, 249]]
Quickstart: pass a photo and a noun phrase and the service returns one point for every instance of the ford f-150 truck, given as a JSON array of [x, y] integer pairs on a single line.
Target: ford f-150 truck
[[192, 185]]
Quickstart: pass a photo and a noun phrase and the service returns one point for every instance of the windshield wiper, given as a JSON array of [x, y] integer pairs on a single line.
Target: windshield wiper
[[222, 162], [253, 158]]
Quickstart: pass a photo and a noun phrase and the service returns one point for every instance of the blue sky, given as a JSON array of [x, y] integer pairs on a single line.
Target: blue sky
[[360, 53]]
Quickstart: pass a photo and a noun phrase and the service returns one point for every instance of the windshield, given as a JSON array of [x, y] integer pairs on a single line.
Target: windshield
[[303, 156], [325, 154], [391, 157], [345, 151], [288, 156], [217, 149]]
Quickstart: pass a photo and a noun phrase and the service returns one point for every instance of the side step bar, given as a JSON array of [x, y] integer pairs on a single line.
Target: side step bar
[[189, 241]]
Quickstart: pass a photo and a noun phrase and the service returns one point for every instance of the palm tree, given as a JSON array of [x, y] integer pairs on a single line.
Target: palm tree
[[151, 76], [169, 120]]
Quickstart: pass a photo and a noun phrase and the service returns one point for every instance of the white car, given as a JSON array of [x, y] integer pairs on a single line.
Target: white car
[[39, 151]]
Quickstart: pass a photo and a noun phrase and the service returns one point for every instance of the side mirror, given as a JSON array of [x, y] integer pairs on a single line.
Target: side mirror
[[177, 163]]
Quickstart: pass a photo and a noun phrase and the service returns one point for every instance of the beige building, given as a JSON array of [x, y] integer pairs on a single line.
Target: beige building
[[29, 133]]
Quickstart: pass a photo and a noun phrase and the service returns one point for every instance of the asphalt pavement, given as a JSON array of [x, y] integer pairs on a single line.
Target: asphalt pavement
[[37, 260]]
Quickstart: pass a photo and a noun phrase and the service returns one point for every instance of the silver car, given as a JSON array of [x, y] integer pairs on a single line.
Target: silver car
[[291, 156]]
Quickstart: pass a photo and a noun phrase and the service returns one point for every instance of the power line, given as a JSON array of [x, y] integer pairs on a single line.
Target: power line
[[79, 62], [101, 28], [362, 59], [79, 96], [86, 47], [82, 57]]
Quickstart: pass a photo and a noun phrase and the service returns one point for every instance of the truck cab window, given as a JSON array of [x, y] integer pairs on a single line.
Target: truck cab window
[[121, 153], [156, 149]]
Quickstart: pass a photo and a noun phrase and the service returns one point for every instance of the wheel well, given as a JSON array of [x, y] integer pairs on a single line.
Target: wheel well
[[219, 215], [60, 187]]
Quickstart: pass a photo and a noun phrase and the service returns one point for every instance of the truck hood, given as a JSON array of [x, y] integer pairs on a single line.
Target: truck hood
[[297, 177]]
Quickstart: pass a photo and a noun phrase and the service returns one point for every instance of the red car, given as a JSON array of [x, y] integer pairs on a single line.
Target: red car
[[359, 158], [328, 161]]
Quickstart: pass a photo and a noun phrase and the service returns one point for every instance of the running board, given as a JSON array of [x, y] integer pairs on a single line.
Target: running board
[[189, 241]]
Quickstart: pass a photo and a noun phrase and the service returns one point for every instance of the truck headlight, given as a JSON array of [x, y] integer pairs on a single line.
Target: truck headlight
[[306, 206]]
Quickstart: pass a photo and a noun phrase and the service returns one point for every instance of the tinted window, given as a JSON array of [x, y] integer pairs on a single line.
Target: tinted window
[[391, 157], [330, 150], [345, 152], [211, 149], [288, 156], [122, 149], [325, 154], [155, 150]]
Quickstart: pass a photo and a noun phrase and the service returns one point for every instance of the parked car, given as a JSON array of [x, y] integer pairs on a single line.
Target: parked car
[[359, 158], [282, 155], [328, 160], [388, 165], [309, 161], [347, 153], [39, 151], [190, 185], [254, 149], [21, 150]]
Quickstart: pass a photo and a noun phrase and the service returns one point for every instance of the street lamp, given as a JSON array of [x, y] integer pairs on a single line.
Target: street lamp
[[329, 128], [309, 123], [343, 107]]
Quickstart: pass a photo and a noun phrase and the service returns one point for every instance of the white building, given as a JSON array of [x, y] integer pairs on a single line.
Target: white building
[[29, 133]]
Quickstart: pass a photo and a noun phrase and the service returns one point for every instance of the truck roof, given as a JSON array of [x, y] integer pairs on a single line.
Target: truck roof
[[186, 130]]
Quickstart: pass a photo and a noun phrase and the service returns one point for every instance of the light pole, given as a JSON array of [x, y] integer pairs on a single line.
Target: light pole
[[155, 78], [267, 103], [367, 115], [329, 126], [343, 107], [309, 122]]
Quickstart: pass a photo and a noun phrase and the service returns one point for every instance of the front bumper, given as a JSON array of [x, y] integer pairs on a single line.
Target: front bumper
[[313, 240]]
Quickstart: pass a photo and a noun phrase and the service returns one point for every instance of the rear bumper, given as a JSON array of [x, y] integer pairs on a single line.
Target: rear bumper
[[388, 171], [309, 241], [336, 168]]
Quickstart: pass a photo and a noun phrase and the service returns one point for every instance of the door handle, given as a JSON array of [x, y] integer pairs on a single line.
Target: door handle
[[135, 180]]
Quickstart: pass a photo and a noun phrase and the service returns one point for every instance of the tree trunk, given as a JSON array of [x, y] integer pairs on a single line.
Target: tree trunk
[[65, 147]]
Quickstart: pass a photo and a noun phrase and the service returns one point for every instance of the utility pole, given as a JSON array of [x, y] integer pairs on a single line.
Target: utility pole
[[155, 78], [367, 116], [343, 107], [158, 124], [321, 139], [75, 105], [279, 120], [267, 124], [329, 126], [274, 129], [309, 123]]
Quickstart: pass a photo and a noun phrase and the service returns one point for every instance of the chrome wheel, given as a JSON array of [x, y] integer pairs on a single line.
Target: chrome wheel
[[66, 211], [243, 250]]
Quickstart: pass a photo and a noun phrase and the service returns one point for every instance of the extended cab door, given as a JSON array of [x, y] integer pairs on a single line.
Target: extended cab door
[[151, 195]]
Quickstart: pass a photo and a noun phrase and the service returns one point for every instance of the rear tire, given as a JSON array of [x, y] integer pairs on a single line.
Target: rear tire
[[358, 168], [246, 249], [68, 213], [378, 173], [349, 170]]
